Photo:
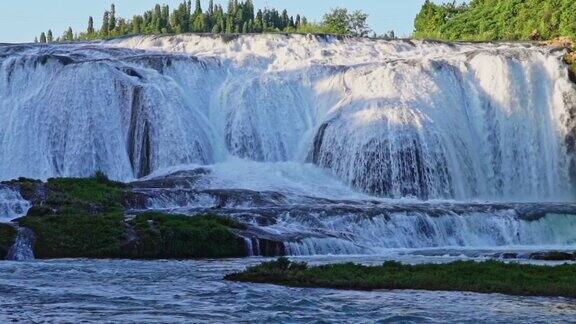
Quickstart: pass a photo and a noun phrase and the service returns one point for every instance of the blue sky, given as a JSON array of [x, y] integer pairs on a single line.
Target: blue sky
[[22, 20]]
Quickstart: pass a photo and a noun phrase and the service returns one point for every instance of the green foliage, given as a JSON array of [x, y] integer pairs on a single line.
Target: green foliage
[[183, 237], [96, 194], [7, 238], [77, 235], [80, 218], [239, 17], [84, 218], [483, 277], [485, 20]]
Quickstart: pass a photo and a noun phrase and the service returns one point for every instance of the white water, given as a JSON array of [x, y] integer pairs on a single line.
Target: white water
[[22, 250], [12, 205], [388, 118], [356, 234]]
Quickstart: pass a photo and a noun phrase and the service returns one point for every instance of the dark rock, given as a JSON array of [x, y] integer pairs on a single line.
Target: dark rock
[[554, 256]]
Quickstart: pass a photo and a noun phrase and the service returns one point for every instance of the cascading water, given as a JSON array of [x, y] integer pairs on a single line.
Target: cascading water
[[12, 205], [23, 248], [297, 119]]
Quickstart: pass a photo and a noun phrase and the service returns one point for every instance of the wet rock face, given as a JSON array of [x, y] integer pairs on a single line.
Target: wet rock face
[[554, 256], [7, 239]]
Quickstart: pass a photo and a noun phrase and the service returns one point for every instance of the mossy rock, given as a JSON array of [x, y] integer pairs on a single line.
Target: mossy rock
[[80, 218], [184, 237], [84, 218], [77, 235], [27, 187], [94, 195], [570, 59], [7, 238]]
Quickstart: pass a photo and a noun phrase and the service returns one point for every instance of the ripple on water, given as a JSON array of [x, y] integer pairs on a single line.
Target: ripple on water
[[193, 291]]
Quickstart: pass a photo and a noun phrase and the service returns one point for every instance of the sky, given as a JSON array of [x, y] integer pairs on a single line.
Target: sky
[[22, 20]]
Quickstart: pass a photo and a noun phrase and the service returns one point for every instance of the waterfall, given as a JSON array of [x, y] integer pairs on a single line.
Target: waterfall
[[23, 248], [12, 205], [388, 118], [351, 235], [321, 144]]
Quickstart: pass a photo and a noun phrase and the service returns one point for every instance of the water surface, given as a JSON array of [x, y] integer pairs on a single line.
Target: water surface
[[193, 291]]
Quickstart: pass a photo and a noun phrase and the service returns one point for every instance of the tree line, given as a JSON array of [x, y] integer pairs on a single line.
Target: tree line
[[237, 17], [484, 20]]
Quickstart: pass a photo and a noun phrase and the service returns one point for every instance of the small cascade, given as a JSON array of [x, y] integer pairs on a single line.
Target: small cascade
[[23, 248], [354, 234], [249, 246], [12, 205]]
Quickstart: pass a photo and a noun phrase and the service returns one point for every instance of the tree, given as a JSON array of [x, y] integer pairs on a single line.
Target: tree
[[68, 35], [49, 36], [357, 25], [90, 30], [198, 9], [112, 25], [337, 21], [105, 24], [42, 38]]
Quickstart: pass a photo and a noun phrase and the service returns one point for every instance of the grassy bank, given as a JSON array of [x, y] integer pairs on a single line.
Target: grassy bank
[[484, 277]]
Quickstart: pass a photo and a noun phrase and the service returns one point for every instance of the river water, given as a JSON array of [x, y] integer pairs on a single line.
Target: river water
[[193, 291]]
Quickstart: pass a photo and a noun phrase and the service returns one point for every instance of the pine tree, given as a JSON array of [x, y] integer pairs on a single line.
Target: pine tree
[[258, 24], [49, 36], [90, 29], [105, 24], [198, 8], [35, 39], [211, 8], [68, 35], [112, 25], [42, 38]]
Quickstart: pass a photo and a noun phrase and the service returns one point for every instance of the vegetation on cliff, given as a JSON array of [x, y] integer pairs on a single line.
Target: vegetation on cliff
[[487, 20], [482, 277]]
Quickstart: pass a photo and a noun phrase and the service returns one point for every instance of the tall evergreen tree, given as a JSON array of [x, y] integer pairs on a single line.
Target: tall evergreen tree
[[42, 38], [90, 29], [49, 36], [198, 8], [112, 25], [68, 35], [105, 24]]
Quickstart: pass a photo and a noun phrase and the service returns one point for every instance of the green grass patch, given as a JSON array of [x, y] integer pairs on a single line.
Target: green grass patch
[[482, 277], [184, 237], [90, 194], [80, 218], [7, 238], [77, 236]]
